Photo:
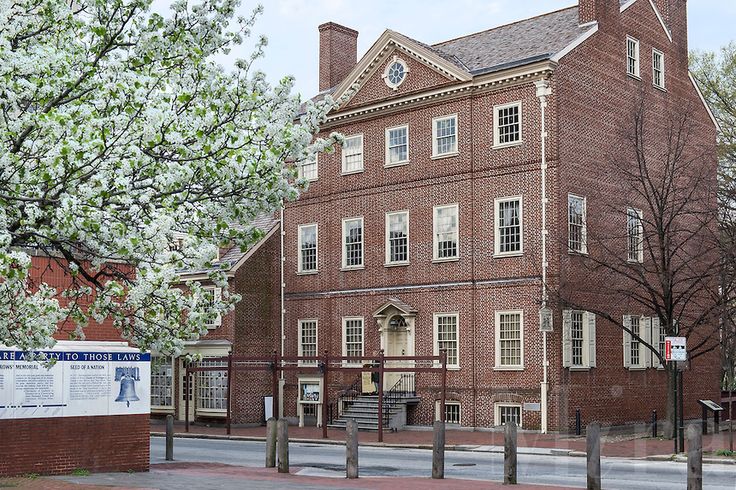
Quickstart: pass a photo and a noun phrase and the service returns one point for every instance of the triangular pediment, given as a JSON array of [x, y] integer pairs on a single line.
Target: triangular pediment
[[418, 57], [392, 306]]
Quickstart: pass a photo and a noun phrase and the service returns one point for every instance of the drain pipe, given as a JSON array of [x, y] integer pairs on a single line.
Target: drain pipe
[[282, 380], [543, 91]]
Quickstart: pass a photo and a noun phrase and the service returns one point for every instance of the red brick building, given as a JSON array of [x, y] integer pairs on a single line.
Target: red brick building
[[425, 230]]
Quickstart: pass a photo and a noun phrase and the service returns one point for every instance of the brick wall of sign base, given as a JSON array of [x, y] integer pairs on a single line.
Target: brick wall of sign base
[[54, 446]]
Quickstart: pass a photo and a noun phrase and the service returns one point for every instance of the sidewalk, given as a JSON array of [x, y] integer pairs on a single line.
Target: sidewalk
[[626, 446]]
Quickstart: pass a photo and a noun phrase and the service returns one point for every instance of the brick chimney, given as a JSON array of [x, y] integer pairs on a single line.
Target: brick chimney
[[603, 11], [338, 53]]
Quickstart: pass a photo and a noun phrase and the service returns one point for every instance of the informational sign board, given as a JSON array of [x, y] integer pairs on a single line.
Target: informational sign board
[[88, 378], [675, 349], [711, 405]]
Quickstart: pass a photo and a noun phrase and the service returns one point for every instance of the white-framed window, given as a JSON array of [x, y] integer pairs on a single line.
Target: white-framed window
[[453, 412], [352, 240], [446, 243], [308, 340], [576, 224], [397, 145], [308, 237], [446, 336], [162, 382], [507, 412], [578, 339], [352, 154], [397, 237], [395, 72], [635, 235], [308, 168], [659, 334], [352, 338], [508, 226], [658, 68], [213, 295], [444, 135], [636, 355], [632, 57], [507, 124], [510, 340], [212, 387]]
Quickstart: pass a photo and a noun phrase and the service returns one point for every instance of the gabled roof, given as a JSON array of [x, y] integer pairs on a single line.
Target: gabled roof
[[528, 40], [396, 303], [233, 258]]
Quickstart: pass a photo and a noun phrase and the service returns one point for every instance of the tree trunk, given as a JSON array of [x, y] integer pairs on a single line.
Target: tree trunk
[[669, 428]]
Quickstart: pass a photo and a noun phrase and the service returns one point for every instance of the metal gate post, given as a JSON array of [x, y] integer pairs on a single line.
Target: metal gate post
[[380, 395], [325, 390]]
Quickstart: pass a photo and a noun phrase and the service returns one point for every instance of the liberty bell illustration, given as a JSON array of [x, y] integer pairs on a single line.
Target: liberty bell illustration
[[127, 377]]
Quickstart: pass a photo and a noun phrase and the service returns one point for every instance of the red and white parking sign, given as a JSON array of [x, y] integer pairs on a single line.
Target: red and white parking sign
[[675, 349]]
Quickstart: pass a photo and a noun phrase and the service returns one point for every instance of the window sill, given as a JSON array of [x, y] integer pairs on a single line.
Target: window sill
[[213, 412], [310, 180], [661, 89], [578, 369], [448, 259], [162, 409], [396, 264], [508, 254], [396, 164], [353, 268], [445, 155], [632, 261], [635, 77], [352, 172], [637, 368], [507, 145], [307, 273], [575, 252], [508, 368]]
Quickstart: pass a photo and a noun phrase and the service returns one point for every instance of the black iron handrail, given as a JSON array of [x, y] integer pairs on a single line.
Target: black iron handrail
[[403, 387], [346, 395]]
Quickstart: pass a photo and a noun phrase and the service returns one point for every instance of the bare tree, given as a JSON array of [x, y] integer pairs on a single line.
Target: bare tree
[[655, 247]]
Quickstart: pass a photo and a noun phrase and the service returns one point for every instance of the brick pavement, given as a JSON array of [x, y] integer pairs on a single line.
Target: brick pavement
[[615, 445]]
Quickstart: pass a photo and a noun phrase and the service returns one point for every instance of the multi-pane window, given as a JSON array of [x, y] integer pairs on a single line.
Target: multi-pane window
[[576, 224], [397, 145], [508, 226], [308, 168], [632, 56], [308, 248], [509, 340], [635, 233], [661, 339], [352, 237], [577, 337], [308, 340], [353, 337], [213, 296], [452, 413], [352, 154], [507, 124], [635, 346], [508, 413], [446, 337], [212, 386], [444, 131], [446, 232], [397, 237], [162, 380], [658, 68]]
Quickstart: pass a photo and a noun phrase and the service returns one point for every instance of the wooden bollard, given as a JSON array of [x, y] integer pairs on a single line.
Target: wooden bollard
[[509, 454], [438, 451], [169, 438], [283, 445], [271, 443], [694, 458], [351, 449], [593, 454]]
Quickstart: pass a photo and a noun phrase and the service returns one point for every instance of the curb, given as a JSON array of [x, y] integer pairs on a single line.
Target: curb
[[683, 459]]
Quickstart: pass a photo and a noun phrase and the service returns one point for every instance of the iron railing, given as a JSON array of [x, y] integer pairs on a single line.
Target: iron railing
[[405, 386], [347, 395]]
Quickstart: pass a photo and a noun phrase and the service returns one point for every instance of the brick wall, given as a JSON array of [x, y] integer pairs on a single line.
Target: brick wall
[[54, 446]]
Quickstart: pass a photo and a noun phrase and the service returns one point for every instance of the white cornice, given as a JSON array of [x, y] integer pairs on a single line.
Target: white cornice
[[577, 42], [705, 103], [656, 11]]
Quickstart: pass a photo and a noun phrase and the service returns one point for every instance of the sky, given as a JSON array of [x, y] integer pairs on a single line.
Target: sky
[[291, 26]]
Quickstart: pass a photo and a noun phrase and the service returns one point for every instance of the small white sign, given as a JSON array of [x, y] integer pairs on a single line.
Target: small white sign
[[675, 349]]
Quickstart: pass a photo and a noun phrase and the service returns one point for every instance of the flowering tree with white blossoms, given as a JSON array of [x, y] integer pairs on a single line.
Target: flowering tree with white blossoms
[[118, 132]]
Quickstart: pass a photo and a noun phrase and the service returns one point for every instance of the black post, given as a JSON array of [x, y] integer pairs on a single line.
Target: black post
[[674, 427], [682, 414], [716, 422], [705, 420], [169, 437], [654, 424], [577, 422]]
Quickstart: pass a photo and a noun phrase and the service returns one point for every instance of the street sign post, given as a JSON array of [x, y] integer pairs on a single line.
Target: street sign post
[[675, 349]]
